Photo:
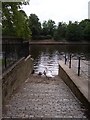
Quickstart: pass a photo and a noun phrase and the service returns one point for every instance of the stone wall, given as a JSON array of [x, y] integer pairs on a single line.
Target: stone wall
[[16, 75]]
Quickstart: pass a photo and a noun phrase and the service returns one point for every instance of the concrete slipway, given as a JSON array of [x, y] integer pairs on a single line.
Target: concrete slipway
[[78, 84]]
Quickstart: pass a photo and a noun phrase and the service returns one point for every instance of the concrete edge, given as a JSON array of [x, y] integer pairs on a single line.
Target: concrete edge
[[70, 81], [15, 76], [28, 57], [12, 67]]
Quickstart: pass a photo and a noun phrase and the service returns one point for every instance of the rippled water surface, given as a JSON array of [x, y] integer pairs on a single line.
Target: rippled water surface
[[48, 56]]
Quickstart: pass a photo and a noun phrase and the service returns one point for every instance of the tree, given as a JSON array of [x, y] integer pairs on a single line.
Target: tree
[[14, 20], [85, 29], [45, 28], [0, 19], [51, 27], [22, 28], [87, 32], [35, 26], [60, 31], [73, 32], [48, 28]]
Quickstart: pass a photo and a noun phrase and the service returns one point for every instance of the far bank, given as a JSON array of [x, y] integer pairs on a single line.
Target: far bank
[[52, 42]]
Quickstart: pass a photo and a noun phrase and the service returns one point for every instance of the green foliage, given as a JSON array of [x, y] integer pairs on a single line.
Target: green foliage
[[48, 28], [73, 32], [35, 26], [16, 23], [14, 20], [51, 27], [87, 32], [44, 28], [60, 32], [38, 32], [85, 29]]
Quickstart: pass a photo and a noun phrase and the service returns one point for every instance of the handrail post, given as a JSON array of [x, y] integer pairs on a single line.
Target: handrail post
[[65, 59], [70, 61], [79, 66], [5, 63], [5, 56]]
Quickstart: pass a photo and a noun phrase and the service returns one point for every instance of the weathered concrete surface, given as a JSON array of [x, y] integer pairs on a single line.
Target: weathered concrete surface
[[78, 84], [84, 68], [40, 97], [0, 97], [15, 76]]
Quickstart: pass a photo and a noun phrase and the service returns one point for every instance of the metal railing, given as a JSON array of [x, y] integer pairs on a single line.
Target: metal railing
[[76, 63], [12, 53]]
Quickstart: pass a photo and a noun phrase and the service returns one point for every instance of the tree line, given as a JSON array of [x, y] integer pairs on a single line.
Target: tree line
[[15, 22]]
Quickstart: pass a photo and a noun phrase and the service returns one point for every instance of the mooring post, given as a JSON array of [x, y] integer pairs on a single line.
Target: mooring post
[[78, 65], [70, 61], [65, 59]]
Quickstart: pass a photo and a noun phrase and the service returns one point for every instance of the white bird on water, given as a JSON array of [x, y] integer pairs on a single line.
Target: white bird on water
[[48, 73]]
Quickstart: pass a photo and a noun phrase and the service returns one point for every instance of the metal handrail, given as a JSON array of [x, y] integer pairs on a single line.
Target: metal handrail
[[79, 68]]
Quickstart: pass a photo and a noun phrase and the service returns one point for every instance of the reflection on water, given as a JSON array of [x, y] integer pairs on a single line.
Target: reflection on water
[[49, 55], [50, 61]]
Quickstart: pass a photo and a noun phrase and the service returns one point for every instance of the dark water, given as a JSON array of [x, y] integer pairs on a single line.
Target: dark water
[[49, 55]]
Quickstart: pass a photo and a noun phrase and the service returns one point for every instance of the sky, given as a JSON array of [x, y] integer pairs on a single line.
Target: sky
[[58, 10]]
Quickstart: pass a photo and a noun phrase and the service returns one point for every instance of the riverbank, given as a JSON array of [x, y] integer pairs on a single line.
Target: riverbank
[[52, 42]]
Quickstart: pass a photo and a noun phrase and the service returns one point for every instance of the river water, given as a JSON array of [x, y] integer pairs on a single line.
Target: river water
[[48, 56]]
